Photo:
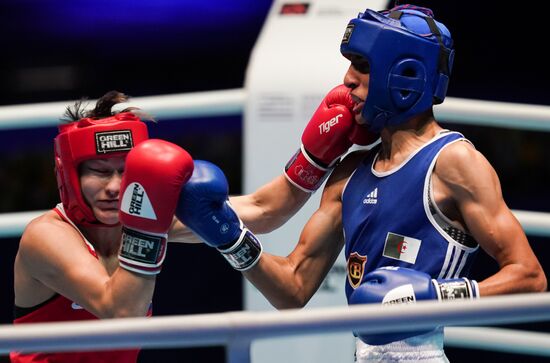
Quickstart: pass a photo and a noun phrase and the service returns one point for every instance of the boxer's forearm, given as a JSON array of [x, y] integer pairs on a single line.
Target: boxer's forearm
[[270, 206]]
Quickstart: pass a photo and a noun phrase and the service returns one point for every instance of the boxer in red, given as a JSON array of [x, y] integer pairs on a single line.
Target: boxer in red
[[86, 258]]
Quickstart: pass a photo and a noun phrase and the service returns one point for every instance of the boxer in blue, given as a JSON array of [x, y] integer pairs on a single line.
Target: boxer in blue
[[411, 213]]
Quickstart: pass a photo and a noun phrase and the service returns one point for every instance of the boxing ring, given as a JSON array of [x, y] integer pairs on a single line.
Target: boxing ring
[[237, 330]]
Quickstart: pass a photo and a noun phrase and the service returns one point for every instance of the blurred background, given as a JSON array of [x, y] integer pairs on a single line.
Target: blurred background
[[56, 50]]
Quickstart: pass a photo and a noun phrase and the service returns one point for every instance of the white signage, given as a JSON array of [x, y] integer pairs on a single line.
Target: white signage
[[294, 63]]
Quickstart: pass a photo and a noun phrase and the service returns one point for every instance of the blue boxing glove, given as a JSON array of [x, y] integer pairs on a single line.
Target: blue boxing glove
[[399, 285], [204, 207]]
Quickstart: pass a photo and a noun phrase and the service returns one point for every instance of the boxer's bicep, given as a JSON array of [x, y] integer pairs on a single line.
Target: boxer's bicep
[[59, 259]]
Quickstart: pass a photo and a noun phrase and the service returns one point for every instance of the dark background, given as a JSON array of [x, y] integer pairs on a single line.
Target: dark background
[[54, 50]]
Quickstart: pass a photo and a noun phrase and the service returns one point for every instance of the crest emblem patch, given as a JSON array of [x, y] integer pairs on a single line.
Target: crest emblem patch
[[356, 269]]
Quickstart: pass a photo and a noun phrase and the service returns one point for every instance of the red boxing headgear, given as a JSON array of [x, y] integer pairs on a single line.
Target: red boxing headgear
[[91, 139]]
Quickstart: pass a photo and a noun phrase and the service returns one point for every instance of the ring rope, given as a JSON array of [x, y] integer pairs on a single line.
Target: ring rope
[[533, 223], [238, 327], [231, 102], [183, 105], [499, 339]]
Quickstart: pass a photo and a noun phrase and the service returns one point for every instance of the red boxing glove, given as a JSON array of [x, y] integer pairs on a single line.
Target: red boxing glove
[[154, 173], [331, 131]]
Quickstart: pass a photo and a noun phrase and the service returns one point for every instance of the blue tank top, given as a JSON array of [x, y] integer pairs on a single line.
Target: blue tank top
[[389, 219]]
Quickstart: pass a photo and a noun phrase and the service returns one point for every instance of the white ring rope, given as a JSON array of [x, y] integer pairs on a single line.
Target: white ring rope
[[243, 327], [13, 224], [231, 102], [498, 339], [184, 105], [533, 223], [494, 114]]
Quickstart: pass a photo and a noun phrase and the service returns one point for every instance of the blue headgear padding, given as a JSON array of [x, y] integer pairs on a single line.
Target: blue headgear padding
[[410, 57]]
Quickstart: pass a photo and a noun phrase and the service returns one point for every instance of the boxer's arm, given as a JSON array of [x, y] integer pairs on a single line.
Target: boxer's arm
[[476, 191], [270, 206], [328, 135], [180, 233], [290, 282], [262, 211], [54, 254]]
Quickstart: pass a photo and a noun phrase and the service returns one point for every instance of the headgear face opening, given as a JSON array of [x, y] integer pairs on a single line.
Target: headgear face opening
[[88, 139], [410, 57]]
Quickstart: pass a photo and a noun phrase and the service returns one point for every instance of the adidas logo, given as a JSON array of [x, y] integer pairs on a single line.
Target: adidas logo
[[372, 198]]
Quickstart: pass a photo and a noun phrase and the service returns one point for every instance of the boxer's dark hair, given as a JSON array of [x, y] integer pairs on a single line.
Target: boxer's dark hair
[[105, 103], [102, 109]]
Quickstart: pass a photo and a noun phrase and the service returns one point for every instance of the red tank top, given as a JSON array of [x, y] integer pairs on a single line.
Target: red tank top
[[59, 308]]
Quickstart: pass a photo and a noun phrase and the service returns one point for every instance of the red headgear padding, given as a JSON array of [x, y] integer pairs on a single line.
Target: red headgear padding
[[91, 139]]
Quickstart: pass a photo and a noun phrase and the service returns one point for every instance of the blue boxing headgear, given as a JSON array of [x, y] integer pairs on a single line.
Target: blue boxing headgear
[[410, 57]]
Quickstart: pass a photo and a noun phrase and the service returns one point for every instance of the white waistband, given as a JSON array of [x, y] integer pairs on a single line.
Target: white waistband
[[421, 348]]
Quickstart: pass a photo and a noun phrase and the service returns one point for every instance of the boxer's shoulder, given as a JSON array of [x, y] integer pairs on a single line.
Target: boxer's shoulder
[[47, 227], [49, 220]]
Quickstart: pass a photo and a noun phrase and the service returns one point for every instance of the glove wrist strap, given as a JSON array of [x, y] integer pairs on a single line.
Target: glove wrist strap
[[142, 252], [304, 173], [244, 253], [456, 289]]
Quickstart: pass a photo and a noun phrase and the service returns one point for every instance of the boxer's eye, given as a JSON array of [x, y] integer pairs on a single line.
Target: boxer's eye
[[100, 171], [362, 67], [360, 64]]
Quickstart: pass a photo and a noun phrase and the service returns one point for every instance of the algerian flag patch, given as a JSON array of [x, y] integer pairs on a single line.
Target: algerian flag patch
[[401, 248]]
